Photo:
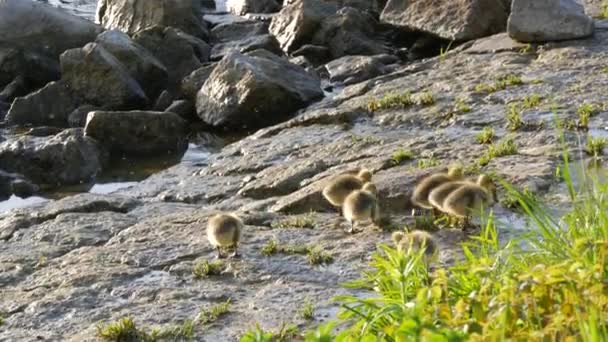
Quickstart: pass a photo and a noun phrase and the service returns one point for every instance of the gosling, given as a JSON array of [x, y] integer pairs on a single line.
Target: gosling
[[420, 197], [224, 231], [340, 187], [361, 205], [470, 199], [438, 195], [416, 240]]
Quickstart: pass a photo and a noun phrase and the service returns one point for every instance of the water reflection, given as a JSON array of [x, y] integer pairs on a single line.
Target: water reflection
[[15, 202]]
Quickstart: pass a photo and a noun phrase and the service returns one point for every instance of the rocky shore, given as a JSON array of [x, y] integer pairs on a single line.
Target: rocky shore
[[312, 88]]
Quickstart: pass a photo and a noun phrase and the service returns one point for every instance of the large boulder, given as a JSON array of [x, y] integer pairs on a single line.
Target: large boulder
[[455, 20], [266, 41], [297, 22], [354, 69], [255, 90], [237, 30], [192, 83], [66, 158], [50, 105], [179, 52], [548, 20], [131, 16], [12, 183], [38, 27], [242, 7], [35, 69], [96, 76], [138, 132], [141, 64]]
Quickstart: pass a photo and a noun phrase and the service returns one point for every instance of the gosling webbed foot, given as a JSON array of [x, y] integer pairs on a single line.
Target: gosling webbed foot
[[219, 255]]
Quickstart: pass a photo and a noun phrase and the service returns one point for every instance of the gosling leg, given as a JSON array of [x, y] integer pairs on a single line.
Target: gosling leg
[[351, 230], [220, 255], [235, 254]]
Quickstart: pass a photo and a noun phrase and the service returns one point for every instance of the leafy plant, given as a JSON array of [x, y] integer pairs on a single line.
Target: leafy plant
[[514, 121], [486, 136], [307, 311], [390, 101], [505, 147], [426, 98], [532, 101], [206, 268], [214, 312], [595, 146], [400, 156]]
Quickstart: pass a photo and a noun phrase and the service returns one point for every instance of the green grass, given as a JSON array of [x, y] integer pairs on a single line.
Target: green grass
[[595, 146], [314, 255], [400, 156], [205, 269], [425, 163], [585, 112], [125, 330], [214, 312], [183, 332], [501, 83], [307, 311], [604, 13], [486, 136], [317, 256], [532, 101], [462, 106], [390, 101], [426, 98], [286, 333], [514, 121], [506, 147], [302, 221]]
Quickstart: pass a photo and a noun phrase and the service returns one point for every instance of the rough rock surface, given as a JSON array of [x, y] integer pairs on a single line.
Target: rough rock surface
[[36, 69], [547, 20], [266, 41], [454, 20], [237, 30], [137, 132], [50, 105], [78, 117], [132, 16], [11, 183], [242, 7], [63, 159], [254, 90], [97, 77], [192, 83], [354, 69]]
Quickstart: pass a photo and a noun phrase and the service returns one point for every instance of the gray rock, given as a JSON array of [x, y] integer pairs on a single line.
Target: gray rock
[[354, 69], [138, 132], [43, 131], [183, 108], [254, 90], [179, 52], [548, 20], [97, 77], [38, 27], [35, 69], [50, 105], [267, 42], [316, 54], [242, 7], [454, 20], [141, 64], [78, 117], [11, 183], [163, 101], [238, 30], [296, 23], [594, 8], [192, 83], [3, 110], [350, 32], [131, 16], [18, 87], [63, 159]]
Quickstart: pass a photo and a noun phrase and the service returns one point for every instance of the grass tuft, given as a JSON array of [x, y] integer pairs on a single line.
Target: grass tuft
[[585, 112], [532, 101], [205, 269], [514, 121], [390, 101], [400, 156], [426, 98], [595, 146], [307, 311], [486, 136], [506, 147], [301, 221], [317, 256], [214, 312]]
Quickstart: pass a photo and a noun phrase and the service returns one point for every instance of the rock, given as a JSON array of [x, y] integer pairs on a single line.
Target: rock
[[247, 90], [96, 76], [184, 108], [350, 32], [192, 83], [35, 69], [131, 16], [548, 20], [50, 105], [296, 23], [138, 132], [64, 159], [242, 7], [238, 30], [43, 131], [46, 30], [354, 69], [18, 87], [453, 20], [316, 54], [267, 42], [163, 101], [141, 64], [11, 183], [180, 53], [78, 117], [3, 110], [593, 8]]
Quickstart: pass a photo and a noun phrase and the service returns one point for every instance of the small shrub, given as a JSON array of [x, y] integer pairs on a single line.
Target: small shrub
[[271, 247], [214, 312], [183, 332], [400, 156], [205, 269], [486, 136], [531, 101], [122, 330], [426, 98], [301, 221], [316, 256], [504, 148], [307, 311], [390, 101], [514, 121], [595, 146]]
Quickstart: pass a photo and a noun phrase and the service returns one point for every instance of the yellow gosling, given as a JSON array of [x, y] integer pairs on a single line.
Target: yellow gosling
[[416, 240], [470, 199], [224, 231], [420, 196], [336, 191], [361, 205]]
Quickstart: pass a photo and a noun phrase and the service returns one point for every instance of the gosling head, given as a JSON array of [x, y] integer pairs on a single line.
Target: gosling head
[[364, 175], [487, 183], [455, 172], [370, 187]]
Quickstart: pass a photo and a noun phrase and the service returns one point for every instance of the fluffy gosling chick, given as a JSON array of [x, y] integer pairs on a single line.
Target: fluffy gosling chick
[[224, 231], [361, 205], [438, 195], [420, 197], [340, 187], [414, 241], [470, 198]]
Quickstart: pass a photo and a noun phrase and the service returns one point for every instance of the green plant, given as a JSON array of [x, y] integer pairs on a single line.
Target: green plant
[[462, 106], [122, 330], [307, 311], [531, 101], [214, 312], [526, 49], [505, 147], [514, 121], [425, 163], [206, 268], [257, 335], [585, 112], [183, 332], [501, 83], [390, 101], [486, 136], [604, 13], [271, 247], [443, 52], [323, 333], [301, 221], [314, 255], [595, 146], [426, 98], [317, 256], [400, 156]]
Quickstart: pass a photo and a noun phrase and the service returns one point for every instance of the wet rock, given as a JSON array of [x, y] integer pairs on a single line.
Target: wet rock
[[593, 8], [37, 70], [350, 32], [296, 23], [3, 110], [179, 52], [547, 20], [453, 20], [316, 54], [142, 66], [50, 105], [192, 83], [97, 77], [66, 158], [163, 101], [242, 7], [184, 108], [11, 183], [46, 30], [267, 42], [131, 16], [78, 117], [137, 132], [43, 131], [18, 87], [247, 90], [238, 30], [354, 69]]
